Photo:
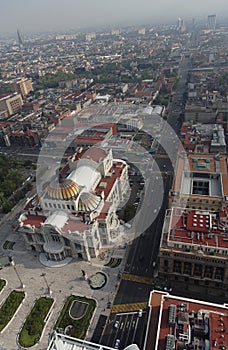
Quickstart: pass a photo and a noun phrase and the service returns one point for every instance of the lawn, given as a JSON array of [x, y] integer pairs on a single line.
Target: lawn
[[9, 307], [35, 322], [78, 327]]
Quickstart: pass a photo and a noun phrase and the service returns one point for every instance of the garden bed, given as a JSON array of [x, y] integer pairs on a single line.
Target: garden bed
[[35, 322], [98, 280], [75, 327], [9, 307]]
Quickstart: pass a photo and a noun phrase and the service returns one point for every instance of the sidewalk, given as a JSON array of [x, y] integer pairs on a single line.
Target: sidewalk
[[63, 281]]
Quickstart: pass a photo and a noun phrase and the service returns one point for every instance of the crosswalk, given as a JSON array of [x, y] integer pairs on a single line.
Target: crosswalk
[[135, 278], [129, 307]]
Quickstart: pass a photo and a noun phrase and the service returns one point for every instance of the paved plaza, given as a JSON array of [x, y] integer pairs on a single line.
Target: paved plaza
[[63, 281]]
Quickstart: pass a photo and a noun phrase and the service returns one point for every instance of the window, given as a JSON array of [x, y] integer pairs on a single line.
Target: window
[[77, 246], [200, 187], [55, 238]]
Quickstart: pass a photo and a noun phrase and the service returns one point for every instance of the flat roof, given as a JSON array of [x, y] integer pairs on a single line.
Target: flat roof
[[199, 227], [64, 342], [203, 166], [184, 323]]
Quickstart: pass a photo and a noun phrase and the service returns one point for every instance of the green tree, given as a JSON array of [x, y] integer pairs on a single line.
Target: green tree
[[7, 206]]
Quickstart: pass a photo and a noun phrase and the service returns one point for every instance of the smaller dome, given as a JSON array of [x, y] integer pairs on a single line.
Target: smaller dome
[[65, 190], [88, 202], [36, 201]]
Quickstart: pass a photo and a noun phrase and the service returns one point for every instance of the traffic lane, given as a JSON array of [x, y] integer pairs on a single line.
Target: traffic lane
[[130, 292], [125, 328], [149, 204], [149, 242], [97, 334], [144, 250]]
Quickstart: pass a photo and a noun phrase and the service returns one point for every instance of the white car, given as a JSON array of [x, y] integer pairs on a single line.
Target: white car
[[117, 344], [140, 313], [116, 324]]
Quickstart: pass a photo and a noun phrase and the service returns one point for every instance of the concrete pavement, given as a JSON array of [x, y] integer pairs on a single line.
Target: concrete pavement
[[63, 281]]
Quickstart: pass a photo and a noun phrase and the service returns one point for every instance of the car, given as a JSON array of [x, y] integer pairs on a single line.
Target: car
[[140, 313], [117, 344], [116, 324]]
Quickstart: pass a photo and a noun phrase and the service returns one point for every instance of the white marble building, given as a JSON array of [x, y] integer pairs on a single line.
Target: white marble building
[[75, 216]]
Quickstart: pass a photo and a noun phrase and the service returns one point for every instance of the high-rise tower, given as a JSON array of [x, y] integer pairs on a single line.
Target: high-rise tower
[[180, 25], [211, 22], [20, 41]]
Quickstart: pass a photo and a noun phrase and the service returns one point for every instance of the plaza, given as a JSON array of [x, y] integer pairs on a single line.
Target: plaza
[[38, 280]]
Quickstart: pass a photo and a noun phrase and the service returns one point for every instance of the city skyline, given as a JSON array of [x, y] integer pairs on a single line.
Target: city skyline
[[50, 15]]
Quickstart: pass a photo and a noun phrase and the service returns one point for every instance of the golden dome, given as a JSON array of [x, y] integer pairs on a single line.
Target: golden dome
[[88, 202], [65, 190]]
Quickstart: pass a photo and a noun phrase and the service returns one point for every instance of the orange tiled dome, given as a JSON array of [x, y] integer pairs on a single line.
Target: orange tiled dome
[[65, 190]]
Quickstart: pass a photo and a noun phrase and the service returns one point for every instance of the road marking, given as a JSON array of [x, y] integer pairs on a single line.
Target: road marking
[[135, 278], [125, 308]]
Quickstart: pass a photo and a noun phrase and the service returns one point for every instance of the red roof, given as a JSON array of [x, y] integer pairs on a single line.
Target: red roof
[[106, 183], [197, 227], [93, 153], [74, 225], [208, 318], [34, 220]]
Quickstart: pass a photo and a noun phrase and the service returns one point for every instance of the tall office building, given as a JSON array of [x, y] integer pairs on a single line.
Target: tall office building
[[20, 41], [211, 21], [180, 25]]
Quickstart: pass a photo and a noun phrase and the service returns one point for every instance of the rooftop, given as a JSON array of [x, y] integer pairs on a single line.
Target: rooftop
[[64, 342], [180, 323], [197, 227], [208, 175], [94, 153], [106, 183]]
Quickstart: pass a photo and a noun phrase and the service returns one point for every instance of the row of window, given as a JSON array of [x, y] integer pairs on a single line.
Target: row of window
[[59, 206]]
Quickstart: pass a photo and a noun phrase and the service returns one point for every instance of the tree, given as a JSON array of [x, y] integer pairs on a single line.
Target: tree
[[7, 206]]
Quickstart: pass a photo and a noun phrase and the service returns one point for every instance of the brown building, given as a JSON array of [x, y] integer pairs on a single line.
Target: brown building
[[194, 248], [200, 182], [23, 86], [12, 103]]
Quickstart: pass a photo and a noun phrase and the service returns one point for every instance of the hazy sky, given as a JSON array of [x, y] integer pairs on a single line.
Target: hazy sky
[[42, 15]]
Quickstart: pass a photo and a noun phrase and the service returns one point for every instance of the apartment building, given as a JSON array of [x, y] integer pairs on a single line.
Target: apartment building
[[23, 86], [11, 103]]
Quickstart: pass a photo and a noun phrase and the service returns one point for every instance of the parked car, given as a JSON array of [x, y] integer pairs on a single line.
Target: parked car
[[140, 313], [117, 344], [116, 324]]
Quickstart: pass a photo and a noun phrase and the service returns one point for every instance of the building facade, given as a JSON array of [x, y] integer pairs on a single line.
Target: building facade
[[76, 215], [194, 248], [11, 103], [23, 86]]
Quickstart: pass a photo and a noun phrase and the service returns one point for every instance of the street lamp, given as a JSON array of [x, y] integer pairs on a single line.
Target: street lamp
[[18, 276], [45, 280]]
